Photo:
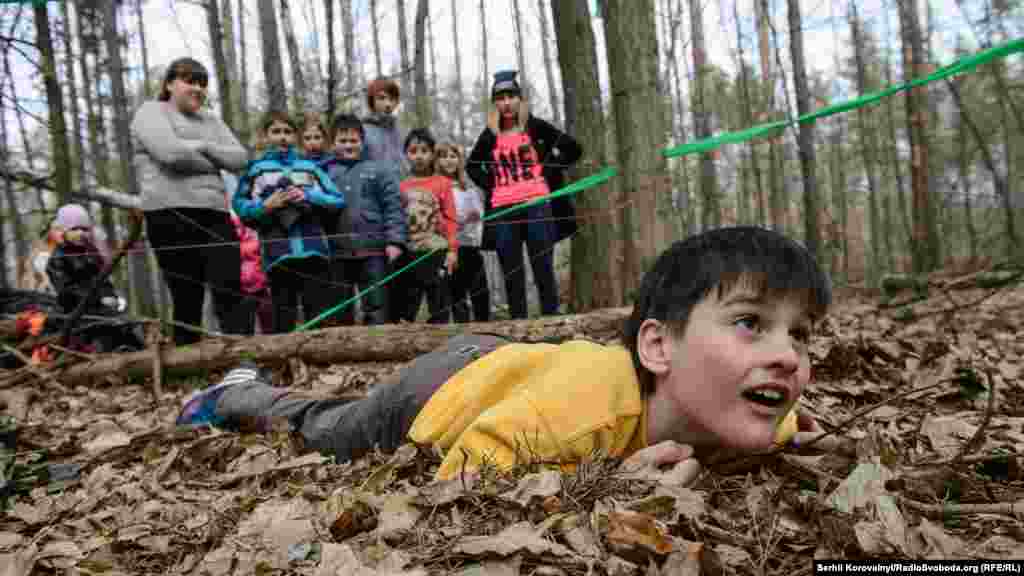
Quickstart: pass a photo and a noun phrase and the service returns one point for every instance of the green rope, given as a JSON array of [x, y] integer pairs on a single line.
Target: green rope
[[963, 65], [574, 188]]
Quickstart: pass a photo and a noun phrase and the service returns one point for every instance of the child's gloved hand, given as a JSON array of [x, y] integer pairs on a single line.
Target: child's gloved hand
[[648, 463]]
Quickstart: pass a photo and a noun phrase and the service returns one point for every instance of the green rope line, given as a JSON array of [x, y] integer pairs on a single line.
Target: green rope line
[[574, 188], [963, 65]]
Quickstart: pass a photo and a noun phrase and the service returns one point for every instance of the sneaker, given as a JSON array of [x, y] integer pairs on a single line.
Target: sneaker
[[201, 406]]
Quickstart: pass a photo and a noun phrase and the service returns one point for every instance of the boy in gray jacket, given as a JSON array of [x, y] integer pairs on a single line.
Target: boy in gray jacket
[[371, 230]]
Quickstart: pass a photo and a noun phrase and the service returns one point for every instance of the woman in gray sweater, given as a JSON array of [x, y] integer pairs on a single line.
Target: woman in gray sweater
[[179, 152]]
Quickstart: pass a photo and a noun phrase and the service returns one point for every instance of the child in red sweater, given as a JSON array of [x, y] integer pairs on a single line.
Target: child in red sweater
[[430, 215]]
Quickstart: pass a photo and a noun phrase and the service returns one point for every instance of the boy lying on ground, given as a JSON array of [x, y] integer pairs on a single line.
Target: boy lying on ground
[[713, 358]]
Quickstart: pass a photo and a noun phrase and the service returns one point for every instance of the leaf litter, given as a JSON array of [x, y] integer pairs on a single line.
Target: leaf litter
[[115, 489]]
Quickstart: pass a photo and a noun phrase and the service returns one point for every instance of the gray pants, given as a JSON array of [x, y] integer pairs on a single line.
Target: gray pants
[[348, 430]]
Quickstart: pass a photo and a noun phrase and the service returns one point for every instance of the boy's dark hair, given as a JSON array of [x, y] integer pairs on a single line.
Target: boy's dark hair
[[347, 121], [721, 259], [386, 85], [421, 134], [186, 69], [271, 116]]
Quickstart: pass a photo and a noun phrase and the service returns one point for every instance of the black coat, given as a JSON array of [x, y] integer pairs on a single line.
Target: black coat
[[557, 151], [71, 270]]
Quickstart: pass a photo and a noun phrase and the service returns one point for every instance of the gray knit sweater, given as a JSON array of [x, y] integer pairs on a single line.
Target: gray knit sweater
[[178, 157]]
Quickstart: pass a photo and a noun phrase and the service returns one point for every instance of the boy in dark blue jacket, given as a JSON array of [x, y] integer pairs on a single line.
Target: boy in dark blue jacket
[[371, 230], [287, 199]]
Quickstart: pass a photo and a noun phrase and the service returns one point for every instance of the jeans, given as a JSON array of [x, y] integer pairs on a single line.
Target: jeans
[[533, 226]]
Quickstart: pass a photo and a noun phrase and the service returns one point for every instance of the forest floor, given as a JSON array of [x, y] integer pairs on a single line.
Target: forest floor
[[933, 471]]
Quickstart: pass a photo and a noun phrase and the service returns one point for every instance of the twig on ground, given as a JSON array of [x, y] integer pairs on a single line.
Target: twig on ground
[[36, 370], [979, 435], [158, 364], [939, 511]]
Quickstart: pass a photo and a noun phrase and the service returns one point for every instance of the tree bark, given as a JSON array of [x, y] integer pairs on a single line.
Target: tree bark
[[682, 201], [597, 255], [485, 70], [711, 213], [925, 253], [332, 60], [273, 72], [775, 185], [868, 146], [55, 102], [632, 47], [760, 217], [376, 38], [244, 132], [388, 343], [549, 71], [349, 26], [808, 162], [142, 45], [422, 99], [964, 184], [460, 113], [433, 74], [294, 58], [517, 24], [220, 62], [403, 42], [227, 27], [76, 118]]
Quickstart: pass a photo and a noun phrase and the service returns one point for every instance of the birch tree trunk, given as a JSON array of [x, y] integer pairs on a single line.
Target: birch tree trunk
[[484, 55], [683, 202], [597, 247], [332, 60], [775, 185], [273, 71], [549, 71], [808, 162], [244, 132], [298, 78], [460, 113], [517, 24], [76, 118], [55, 102], [403, 42], [868, 147], [711, 216], [433, 72], [350, 47], [422, 99], [760, 217], [632, 46], [142, 45], [376, 37]]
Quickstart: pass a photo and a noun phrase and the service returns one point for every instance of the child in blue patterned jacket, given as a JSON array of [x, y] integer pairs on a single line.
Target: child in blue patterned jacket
[[288, 199]]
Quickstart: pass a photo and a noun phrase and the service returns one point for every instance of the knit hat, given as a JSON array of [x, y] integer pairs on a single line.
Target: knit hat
[[73, 216], [505, 81]]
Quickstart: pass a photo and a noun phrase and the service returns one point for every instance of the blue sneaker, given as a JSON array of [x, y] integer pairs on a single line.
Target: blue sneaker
[[201, 406]]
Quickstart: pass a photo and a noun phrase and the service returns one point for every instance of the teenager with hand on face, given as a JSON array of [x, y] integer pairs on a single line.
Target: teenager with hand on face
[[288, 199], [470, 277], [371, 229], [713, 360], [180, 150], [430, 220], [518, 158]]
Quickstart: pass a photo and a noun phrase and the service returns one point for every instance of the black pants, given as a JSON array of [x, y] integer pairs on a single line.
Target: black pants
[[428, 277], [470, 280], [196, 248], [305, 280], [351, 274]]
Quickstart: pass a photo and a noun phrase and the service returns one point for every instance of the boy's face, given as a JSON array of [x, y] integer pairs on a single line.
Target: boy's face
[[280, 135], [383, 103], [348, 144], [507, 104], [736, 371], [421, 157], [313, 140]]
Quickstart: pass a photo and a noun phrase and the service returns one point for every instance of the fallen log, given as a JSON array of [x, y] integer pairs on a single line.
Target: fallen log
[[350, 344]]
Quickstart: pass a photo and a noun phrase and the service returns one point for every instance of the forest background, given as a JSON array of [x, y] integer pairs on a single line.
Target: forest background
[[919, 181]]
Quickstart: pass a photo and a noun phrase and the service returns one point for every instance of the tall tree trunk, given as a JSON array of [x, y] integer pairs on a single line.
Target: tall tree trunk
[[964, 184], [244, 132], [775, 176], [350, 47], [808, 162], [760, 217], [220, 63], [273, 72], [632, 52], [925, 254], [460, 113], [227, 27], [517, 24], [549, 71], [434, 94], [76, 118], [422, 99], [597, 248], [711, 216], [376, 38], [403, 42], [97, 117], [896, 163], [138, 276], [868, 146], [485, 70], [142, 45], [13, 215], [671, 22], [294, 58], [332, 60], [682, 202], [55, 101]]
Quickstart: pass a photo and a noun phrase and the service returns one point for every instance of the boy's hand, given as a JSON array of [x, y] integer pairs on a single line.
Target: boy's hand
[[278, 200], [808, 429], [392, 252], [451, 261], [295, 194], [649, 461]]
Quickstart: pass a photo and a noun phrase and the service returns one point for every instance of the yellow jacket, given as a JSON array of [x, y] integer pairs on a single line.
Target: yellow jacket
[[557, 404]]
